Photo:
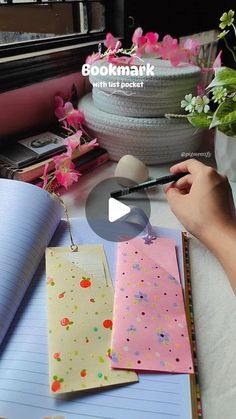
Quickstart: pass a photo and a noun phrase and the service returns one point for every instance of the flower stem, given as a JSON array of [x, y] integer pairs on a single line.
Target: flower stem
[[69, 129], [49, 184], [85, 132], [234, 29], [230, 49]]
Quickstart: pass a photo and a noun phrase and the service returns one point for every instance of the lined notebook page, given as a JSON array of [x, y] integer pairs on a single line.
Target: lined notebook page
[[29, 217], [24, 388]]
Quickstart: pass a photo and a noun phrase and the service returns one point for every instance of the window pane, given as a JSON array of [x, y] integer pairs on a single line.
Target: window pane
[[98, 17], [23, 22]]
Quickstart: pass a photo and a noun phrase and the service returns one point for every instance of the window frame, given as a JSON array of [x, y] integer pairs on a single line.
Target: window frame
[[37, 45], [25, 70], [29, 62]]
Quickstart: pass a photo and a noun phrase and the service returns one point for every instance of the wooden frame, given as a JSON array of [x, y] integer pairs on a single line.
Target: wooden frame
[[29, 62]]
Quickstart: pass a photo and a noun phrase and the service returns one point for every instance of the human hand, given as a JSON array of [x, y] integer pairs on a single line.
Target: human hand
[[202, 200]]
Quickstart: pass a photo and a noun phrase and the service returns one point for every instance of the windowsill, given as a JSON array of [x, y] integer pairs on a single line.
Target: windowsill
[[22, 70], [28, 62], [47, 52]]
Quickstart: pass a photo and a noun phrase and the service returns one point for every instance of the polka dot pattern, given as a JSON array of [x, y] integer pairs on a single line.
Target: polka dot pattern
[[80, 308], [151, 332]]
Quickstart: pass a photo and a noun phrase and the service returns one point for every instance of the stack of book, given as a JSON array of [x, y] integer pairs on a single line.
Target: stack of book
[[25, 159]]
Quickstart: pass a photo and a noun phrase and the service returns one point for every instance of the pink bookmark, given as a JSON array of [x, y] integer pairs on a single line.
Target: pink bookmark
[[149, 328]]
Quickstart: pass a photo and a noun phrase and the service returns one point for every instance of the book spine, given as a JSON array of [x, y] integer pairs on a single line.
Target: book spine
[[82, 167], [30, 171], [87, 160], [33, 172], [7, 171]]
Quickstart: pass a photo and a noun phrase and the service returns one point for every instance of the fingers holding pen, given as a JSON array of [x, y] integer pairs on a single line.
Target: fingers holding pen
[[183, 184], [192, 166]]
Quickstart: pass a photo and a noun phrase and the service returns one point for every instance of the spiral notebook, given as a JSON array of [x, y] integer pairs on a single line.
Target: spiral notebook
[[24, 380]]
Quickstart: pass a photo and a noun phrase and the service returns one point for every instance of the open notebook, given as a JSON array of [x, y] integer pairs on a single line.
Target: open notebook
[[30, 219]]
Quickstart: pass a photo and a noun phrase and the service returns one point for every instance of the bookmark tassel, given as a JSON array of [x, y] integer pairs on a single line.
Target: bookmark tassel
[[73, 246]]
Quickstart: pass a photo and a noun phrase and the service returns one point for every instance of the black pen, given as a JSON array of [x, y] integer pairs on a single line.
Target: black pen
[[149, 184]]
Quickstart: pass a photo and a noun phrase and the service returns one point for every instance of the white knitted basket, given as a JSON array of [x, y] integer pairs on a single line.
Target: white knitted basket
[[160, 94], [152, 140]]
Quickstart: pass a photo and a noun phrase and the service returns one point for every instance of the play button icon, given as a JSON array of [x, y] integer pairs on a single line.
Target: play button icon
[[116, 210], [117, 219]]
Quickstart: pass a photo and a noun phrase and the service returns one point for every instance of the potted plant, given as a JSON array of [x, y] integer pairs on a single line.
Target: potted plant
[[215, 106]]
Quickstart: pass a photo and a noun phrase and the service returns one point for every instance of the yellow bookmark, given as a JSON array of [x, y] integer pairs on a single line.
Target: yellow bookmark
[[80, 307]]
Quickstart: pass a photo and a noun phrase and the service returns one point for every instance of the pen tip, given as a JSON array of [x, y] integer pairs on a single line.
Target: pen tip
[[114, 194]]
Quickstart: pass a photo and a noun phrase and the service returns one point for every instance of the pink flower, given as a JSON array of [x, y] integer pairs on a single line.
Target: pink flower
[[136, 35], [58, 101], [59, 107], [60, 159], [178, 56], [111, 58], [151, 38], [72, 142], [112, 43], [93, 58], [217, 62], [193, 46], [168, 46], [170, 50], [88, 145], [64, 170], [67, 178], [73, 117], [147, 44]]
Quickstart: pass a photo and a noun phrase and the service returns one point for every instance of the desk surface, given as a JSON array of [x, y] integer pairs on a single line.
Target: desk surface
[[214, 301]]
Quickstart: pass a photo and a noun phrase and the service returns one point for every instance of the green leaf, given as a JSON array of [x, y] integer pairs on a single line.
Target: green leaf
[[233, 129], [228, 130], [55, 377], [224, 76], [200, 120], [225, 114]]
